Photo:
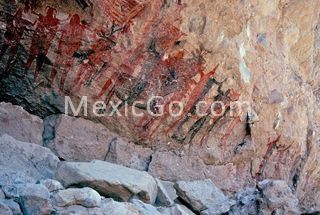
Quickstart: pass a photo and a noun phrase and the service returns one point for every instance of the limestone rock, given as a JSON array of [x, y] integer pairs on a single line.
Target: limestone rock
[[52, 185], [34, 199], [86, 197], [76, 139], [109, 179], [129, 155], [33, 162], [166, 193], [204, 197], [20, 124]]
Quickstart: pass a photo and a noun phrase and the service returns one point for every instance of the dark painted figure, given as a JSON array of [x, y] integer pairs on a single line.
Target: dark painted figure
[[69, 43], [15, 28], [30, 5], [45, 32]]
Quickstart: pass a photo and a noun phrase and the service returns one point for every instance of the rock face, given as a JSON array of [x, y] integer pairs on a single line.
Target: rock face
[[265, 53], [20, 124], [76, 139], [109, 179], [204, 197], [33, 161]]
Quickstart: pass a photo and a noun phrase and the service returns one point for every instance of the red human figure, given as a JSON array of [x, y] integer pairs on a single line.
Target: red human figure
[[69, 43], [15, 28], [41, 41], [96, 60]]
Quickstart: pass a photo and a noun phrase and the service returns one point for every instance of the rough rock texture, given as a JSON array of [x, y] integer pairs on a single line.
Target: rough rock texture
[[34, 199], [12, 205], [166, 193], [124, 208], [76, 139], [86, 197], [52, 185], [20, 124], [129, 155], [34, 162], [109, 179], [176, 210], [204, 197], [279, 197], [267, 53], [145, 209]]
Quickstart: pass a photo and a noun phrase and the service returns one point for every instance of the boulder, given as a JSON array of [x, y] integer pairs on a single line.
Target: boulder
[[4, 209], [176, 210], [277, 195], [34, 199], [203, 196], [145, 209], [109, 179], [248, 201], [86, 197], [166, 193], [34, 162], [76, 139], [129, 155], [14, 207], [2, 196], [78, 210], [52, 185], [21, 125], [109, 206]]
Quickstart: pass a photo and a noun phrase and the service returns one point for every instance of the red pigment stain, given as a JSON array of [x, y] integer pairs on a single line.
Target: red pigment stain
[[69, 43], [196, 92], [270, 147]]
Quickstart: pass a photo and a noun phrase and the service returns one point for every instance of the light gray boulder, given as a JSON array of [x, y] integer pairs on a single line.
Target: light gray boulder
[[166, 193], [204, 197], [20, 124], [86, 197], [22, 162], [34, 199], [52, 185], [111, 207], [176, 210], [14, 207], [76, 139], [109, 180], [145, 209], [128, 154]]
